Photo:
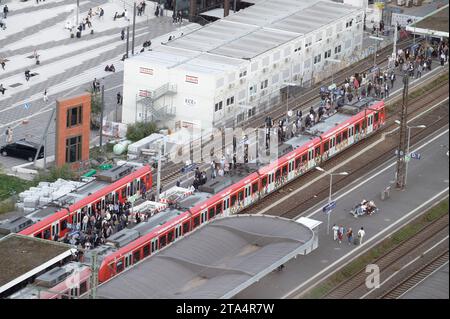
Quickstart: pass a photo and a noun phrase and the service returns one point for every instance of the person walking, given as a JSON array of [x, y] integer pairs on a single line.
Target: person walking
[[335, 229], [386, 90], [350, 236], [9, 135], [122, 34], [45, 96], [5, 11], [361, 234], [3, 64], [2, 89], [392, 79], [119, 98]]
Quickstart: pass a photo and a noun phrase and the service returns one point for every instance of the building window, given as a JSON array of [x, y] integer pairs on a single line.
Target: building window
[[349, 23], [74, 116], [308, 42], [242, 74], [73, 149], [230, 100], [337, 49], [218, 106], [264, 84], [327, 54], [317, 58], [253, 89]]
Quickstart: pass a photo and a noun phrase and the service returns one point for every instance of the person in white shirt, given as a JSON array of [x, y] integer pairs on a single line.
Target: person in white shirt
[[361, 234], [335, 232]]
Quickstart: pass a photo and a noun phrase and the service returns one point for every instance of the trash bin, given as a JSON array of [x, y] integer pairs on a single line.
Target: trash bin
[[78, 34]]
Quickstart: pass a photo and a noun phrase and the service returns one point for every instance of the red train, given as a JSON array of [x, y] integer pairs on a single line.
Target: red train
[[118, 191], [340, 132], [330, 137]]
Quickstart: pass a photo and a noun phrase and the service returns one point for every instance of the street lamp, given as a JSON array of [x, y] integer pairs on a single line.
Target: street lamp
[[332, 73], [376, 49], [288, 84], [408, 143], [331, 185]]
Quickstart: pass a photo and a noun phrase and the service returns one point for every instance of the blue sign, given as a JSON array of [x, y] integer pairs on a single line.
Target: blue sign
[[416, 155], [26, 106], [329, 207]]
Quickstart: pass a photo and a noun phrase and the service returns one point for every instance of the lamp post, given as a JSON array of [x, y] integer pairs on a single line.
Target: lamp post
[[329, 195], [332, 73], [408, 143], [376, 49]]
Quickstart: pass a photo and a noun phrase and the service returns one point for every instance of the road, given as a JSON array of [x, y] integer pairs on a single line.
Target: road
[[428, 181]]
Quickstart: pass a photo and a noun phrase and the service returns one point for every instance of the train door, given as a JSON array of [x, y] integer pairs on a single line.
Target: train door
[[154, 245], [226, 206], [247, 195], [291, 169], [311, 161], [370, 124], [178, 231], [128, 261], [332, 146], [203, 216], [271, 182], [55, 229], [351, 133]]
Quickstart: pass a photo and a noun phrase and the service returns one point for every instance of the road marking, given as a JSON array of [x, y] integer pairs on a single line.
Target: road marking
[[382, 138], [405, 266], [359, 248]]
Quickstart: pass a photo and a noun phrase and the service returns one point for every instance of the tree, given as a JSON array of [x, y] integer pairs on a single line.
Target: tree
[[139, 130], [96, 108]]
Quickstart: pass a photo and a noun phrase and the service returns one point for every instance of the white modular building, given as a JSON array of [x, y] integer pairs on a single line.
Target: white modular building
[[236, 67]]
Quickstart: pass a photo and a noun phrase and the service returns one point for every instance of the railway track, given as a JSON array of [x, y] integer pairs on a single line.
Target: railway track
[[372, 158], [413, 280], [355, 286], [172, 172]]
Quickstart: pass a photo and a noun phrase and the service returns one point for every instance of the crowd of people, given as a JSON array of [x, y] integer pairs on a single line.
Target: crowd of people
[[340, 232]]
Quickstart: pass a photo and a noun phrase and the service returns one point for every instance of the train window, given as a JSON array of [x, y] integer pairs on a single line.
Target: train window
[[63, 224], [170, 236], [241, 195], [326, 146], [298, 162], [317, 151], [233, 200], [338, 138], [284, 169], [264, 182], [364, 123], [211, 213], [65, 295], [162, 241], [136, 256], [153, 246], [196, 221], [47, 234], [39, 235], [218, 208], [304, 158], [119, 266], [254, 187], [124, 192], [344, 135], [357, 128], [185, 228], [146, 250]]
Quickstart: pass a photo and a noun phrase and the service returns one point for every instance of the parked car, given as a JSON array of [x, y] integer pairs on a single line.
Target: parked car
[[22, 149]]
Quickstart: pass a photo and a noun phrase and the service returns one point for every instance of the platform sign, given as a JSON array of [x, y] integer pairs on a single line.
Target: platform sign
[[329, 207], [415, 155]]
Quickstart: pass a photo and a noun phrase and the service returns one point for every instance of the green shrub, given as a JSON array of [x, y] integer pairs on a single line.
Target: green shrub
[[139, 130]]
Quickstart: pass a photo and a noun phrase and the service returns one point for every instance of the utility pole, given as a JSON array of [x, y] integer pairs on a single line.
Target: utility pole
[[44, 140], [94, 276], [101, 116], [134, 24], [128, 40], [158, 176], [78, 9], [402, 147]]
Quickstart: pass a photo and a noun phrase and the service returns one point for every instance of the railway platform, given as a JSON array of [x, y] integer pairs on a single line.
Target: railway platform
[[427, 183]]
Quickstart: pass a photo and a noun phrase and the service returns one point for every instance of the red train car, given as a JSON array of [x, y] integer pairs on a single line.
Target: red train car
[[118, 191]]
